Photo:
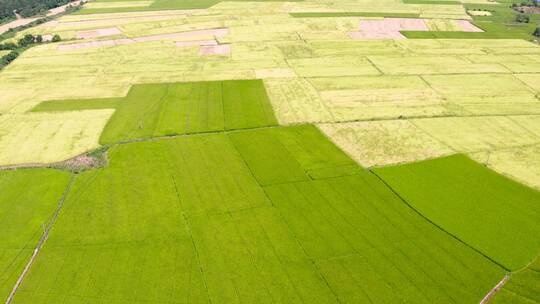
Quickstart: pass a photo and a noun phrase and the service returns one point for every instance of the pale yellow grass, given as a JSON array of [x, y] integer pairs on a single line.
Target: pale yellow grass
[[427, 65], [381, 143], [471, 134], [341, 66], [484, 88], [295, 100], [49, 137], [275, 73]]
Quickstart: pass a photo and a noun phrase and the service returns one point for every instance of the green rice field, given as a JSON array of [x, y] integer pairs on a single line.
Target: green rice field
[[273, 151]]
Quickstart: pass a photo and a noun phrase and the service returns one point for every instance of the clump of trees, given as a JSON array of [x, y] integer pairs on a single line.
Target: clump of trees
[[525, 3], [22, 44], [537, 32], [522, 18]]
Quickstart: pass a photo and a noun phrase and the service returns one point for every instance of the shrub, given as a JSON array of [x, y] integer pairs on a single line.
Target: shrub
[[522, 18], [56, 38], [537, 32]]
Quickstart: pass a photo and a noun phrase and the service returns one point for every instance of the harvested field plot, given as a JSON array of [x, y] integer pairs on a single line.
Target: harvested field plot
[[384, 142], [26, 206], [493, 214], [468, 134], [184, 108]]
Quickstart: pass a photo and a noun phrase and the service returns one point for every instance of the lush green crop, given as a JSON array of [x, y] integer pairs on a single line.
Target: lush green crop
[[523, 286], [28, 199], [493, 214], [186, 220]]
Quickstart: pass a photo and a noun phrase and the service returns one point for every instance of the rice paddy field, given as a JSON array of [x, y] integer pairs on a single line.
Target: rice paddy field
[[310, 151]]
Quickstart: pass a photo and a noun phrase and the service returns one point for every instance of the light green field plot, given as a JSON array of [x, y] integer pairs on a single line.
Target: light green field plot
[[469, 134], [343, 66], [383, 143], [185, 220], [29, 199], [49, 137], [493, 214], [350, 91], [3, 53], [427, 65], [354, 98], [523, 286], [486, 88], [170, 109]]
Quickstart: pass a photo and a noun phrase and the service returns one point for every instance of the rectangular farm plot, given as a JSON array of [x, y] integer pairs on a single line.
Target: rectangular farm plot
[[495, 215], [365, 240], [485, 88], [49, 137], [295, 100], [26, 207], [251, 256], [378, 143], [332, 66], [470, 134], [426, 65], [153, 110], [280, 155]]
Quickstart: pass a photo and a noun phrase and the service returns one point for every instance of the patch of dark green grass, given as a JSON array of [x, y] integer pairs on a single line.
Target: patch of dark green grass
[[153, 110], [495, 215]]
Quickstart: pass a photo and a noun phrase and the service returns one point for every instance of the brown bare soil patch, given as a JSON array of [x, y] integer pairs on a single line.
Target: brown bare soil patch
[[223, 50], [220, 32]]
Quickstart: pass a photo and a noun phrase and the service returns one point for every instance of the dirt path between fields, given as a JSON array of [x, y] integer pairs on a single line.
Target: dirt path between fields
[[495, 289]]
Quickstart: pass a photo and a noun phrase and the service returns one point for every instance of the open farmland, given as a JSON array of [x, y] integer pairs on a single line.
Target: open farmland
[[229, 209], [272, 151]]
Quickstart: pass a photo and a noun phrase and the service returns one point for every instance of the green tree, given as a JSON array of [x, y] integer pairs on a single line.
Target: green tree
[[56, 38], [27, 40]]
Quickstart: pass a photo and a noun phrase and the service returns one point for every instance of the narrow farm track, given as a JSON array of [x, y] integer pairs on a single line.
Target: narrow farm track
[[41, 242], [495, 289]]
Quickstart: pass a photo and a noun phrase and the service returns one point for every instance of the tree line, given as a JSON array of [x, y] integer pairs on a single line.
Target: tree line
[[27, 8], [22, 44]]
